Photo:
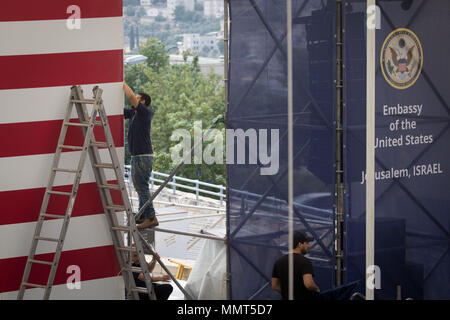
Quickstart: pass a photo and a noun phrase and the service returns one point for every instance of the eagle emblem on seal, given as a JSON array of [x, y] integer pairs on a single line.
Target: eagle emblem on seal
[[401, 58]]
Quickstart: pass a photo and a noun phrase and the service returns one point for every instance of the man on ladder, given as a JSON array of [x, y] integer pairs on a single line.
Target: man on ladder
[[140, 147]]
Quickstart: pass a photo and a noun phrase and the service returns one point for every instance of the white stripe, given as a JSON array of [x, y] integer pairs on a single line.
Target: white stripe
[[30, 172], [83, 232], [105, 289], [41, 104], [53, 36]]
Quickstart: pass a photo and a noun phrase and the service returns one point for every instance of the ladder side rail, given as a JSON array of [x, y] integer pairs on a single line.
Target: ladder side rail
[[115, 160], [142, 261], [111, 217], [44, 205], [76, 183], [125, 199], [105, 196]]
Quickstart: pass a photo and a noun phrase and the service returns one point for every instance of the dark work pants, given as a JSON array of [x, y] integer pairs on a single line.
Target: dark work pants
[[162, 291]]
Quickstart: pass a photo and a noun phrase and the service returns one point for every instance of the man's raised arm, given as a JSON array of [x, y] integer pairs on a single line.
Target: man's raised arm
[[130, 95]]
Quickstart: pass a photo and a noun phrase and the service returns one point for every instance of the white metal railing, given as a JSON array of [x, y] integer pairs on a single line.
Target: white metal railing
[[178, 182]]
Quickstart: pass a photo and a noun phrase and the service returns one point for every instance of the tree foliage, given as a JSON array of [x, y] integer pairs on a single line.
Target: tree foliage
[[157, 56], [181, 95]]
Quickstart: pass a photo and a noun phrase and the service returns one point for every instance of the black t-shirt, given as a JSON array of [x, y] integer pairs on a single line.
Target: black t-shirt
[[302, 265], [139, 141]]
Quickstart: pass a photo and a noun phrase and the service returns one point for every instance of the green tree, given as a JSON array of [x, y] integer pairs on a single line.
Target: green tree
[[135, 76], [181, 95], [155, 51]]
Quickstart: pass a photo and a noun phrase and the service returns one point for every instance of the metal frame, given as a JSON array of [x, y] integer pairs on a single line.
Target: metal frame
[[370, 154], [90, 147], [232, 193], [351, 131]]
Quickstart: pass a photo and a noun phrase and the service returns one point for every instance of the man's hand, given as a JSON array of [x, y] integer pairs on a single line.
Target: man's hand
[[156, 256], [165, 277]]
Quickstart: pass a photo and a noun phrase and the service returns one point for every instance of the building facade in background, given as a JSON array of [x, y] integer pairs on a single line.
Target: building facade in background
[[196, 43]]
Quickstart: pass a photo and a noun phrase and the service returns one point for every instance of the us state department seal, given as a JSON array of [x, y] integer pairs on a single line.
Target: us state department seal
[[401, 58]]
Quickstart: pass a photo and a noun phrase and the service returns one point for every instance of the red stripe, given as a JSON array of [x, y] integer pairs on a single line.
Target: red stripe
[[21, 206], [94, 263], [61, 69], [23, 10], [41, 137]]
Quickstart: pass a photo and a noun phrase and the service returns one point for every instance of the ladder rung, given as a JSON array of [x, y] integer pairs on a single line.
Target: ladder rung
[[104, 165], [140, 289], [46, 239], [124, 249], [65, 170], [41, 262], [110, 186], [60, 193], [48, 215], [77, 124], [87, 101], [33, 285], [70, 147], [134, 269], [95, 123], [100, 144], [113, 207], [127, 229]]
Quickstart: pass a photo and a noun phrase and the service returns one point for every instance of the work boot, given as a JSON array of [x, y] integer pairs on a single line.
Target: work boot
[[140, 220], [148, 223]]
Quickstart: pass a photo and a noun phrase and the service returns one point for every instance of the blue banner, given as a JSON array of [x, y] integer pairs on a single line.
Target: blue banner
[[257, 118], [412, 174]]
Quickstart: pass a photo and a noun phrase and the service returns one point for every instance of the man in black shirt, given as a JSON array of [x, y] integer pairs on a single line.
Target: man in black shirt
[[304, 285], [140, 147], [162, 290]]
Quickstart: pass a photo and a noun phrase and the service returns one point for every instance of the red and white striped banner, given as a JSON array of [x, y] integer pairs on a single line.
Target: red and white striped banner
[[41, 57]]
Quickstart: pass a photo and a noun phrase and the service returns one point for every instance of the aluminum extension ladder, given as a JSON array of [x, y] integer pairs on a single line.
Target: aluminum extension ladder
[[123, 251]]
